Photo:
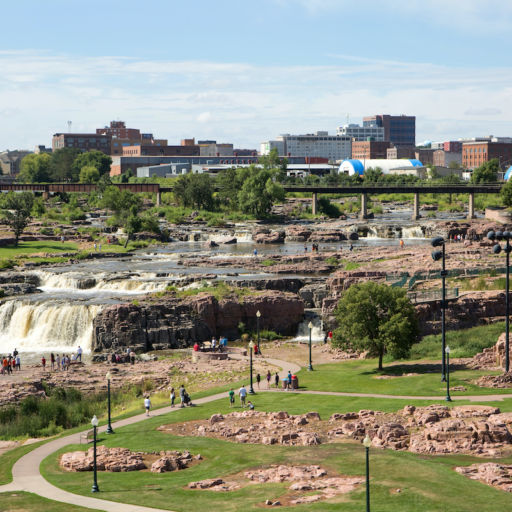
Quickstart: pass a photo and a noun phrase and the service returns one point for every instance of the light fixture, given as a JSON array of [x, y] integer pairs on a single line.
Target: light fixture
[[367, 442], [94, 421]]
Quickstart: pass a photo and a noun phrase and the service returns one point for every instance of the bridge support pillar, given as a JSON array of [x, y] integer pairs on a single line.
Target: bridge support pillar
[[471, 206], [158, 198], [314, 205], [416, 206], [46, 195], [364, 206]]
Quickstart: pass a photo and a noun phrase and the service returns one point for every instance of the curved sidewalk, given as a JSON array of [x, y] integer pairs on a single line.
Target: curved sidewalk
[[26, 475]]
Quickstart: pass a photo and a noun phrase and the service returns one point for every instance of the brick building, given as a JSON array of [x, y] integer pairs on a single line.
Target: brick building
[[370, 149], [82, 141], [151, 150], [475, 154], [445, 158], [453, 146], [400, 130], [397, 152]]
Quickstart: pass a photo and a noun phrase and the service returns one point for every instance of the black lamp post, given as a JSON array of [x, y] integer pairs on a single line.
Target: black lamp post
[[448, 397], [506, 235], [95, 488], [258, 315], [367, 442], [109, 430], [251, 348], [436, 256], [310, 325]]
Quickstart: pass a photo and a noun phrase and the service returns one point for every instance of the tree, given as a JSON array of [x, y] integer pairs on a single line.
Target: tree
[[376, 318], [259, 192], [373, 175], [132, 225], [120, 202], [89, 174], [61, 169], [18, 212], [35, 168], [487, 172], [194, 191], [506, 193], [96, 159]]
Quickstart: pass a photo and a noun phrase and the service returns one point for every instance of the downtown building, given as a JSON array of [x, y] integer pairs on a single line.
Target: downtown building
[[400, 130]]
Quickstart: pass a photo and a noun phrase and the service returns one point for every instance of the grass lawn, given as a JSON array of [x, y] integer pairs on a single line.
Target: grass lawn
[[36, 247], [426, 483], [24, 501], [362, 376]]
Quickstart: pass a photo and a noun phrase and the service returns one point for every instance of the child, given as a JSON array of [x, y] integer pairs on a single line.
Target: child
[[231, 398], [147, 405], [250, 405], [172, 397]]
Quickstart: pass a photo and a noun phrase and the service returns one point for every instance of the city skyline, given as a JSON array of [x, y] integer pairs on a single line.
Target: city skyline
[[247, 73]]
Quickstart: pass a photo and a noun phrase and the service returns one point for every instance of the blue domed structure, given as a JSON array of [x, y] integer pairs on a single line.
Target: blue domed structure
[[508, 174], [351, 167]]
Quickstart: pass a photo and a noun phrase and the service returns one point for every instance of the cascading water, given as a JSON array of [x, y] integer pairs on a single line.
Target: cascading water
[[46, 326], [317, 332]]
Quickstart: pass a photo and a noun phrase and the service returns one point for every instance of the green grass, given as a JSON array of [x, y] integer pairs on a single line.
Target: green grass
[[220, 290], [36, 247], [427, 483], [462, 343], [20, 501], [362, 376]]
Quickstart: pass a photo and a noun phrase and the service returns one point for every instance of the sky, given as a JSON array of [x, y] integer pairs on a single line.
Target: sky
[[246, 71]]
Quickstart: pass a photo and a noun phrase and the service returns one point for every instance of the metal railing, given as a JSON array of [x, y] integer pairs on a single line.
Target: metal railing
[[432, 295]]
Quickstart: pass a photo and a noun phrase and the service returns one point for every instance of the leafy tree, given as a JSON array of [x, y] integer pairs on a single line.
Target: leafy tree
[[132, 225], [487, 172], [61, 169], [270, 161], [376, 318], [89, 174], [95, 159], [229, 182], [18, 212], [506, 193], [38, 209], [373, 175], [120, 202], [35, 168], [194, 191], [259, 192]]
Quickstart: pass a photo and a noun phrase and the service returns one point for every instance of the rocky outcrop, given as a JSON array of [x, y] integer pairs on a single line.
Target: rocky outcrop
[[494, 357], [490, 473], [176, 323], [268, 236]]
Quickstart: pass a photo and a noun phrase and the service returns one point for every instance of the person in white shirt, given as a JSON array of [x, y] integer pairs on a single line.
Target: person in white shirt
[[79, 353], [243, 395], [147, 405]]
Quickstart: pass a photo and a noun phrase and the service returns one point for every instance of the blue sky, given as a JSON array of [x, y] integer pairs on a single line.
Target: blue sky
[[246, 71]]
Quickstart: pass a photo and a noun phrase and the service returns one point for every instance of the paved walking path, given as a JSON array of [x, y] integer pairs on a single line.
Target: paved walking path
[[26, 475]]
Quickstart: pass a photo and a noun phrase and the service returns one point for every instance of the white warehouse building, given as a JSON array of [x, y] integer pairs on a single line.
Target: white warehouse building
[[352, 166]]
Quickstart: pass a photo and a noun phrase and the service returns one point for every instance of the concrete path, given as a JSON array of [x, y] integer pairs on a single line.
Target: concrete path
[[26, 475]]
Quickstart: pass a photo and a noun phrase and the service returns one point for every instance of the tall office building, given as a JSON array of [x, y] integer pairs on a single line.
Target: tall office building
[[400, 130]]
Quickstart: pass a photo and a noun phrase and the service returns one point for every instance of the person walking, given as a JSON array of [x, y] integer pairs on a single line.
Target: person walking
[[79, 354], [18, 363], [57, 362], [52, 361], [172, 396], [231, 397], [43, 362], [258, 380], [243, 395], [276, 378], [269, 376], [289, 377], [182, 396], [147, 404]]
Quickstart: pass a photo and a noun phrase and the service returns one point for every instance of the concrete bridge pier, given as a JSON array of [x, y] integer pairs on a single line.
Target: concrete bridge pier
[[314, 205], [158, 198], [416, 206], [364, 206], [46, 195], [471, 206]]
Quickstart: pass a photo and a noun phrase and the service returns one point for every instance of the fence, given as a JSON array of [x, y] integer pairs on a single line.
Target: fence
[[432, 295]]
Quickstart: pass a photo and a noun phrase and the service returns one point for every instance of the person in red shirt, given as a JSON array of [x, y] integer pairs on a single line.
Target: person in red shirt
[[196, 347], [43, 362]]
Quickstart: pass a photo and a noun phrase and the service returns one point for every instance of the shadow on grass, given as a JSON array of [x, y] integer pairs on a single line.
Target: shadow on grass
[[400, 370]]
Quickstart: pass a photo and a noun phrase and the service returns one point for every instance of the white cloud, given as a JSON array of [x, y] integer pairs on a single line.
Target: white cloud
[[242, 103]]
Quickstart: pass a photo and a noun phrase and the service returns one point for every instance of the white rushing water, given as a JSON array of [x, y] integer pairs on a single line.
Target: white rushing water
[[317, 332], [46, 326]]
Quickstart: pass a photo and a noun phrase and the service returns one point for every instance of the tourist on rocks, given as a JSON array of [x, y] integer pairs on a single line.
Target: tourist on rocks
[[258, 380], [214, 344], [132, 357], [147, 404], [351, 248], [172, 397], [57, 362], [79, 353], [113, 358], [250, 405], [242, 392], [13, 365], [63, 362], [18, 363], [255, 253], [4, 366], [269, 376], [52, 361], [43, 362], [401, 243], [182, 395], [196, 347], [276, 379], [95, 246], [231, 397], [15, 353]]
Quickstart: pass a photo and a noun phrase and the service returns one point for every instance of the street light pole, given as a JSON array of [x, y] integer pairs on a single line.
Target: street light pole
[[258, 314], [310, 367], [109, 430], [448, 397], [367, 442], [251, 348], [95, 488], [436, 256], [497, 249]]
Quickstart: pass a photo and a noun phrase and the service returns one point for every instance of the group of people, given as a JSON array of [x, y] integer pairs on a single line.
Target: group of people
[[11, 363], [185, 399], [242, 393], [215, 345], [128, 357], [63, 362]]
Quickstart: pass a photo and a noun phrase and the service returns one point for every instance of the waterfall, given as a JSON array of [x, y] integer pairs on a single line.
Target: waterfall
[[46, 326], [413, 232], [317, 333]]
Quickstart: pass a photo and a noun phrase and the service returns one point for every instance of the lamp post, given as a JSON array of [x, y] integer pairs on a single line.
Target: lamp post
[[310, 325], [258, 315], [436, 256], [251, 348], [95, 488], [506, 235], [109, 430], [367, 442], [448, 397]]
